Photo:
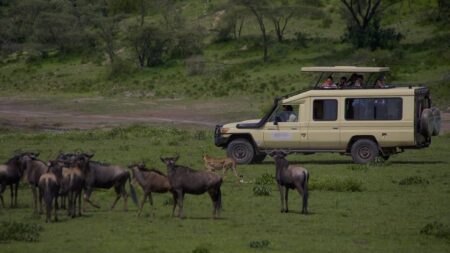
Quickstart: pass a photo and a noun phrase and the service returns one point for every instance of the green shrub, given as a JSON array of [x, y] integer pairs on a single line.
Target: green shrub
[[265, 179], [437, 229], [261, 190], [259, 244], [413, 180], [16, 231], [201, 249]]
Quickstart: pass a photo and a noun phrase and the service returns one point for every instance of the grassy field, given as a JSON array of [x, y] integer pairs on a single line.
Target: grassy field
[[376, 208]]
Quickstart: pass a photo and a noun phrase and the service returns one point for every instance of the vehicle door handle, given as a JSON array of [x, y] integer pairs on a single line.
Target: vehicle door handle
[[303, 135], [294, 128], [335, 128]]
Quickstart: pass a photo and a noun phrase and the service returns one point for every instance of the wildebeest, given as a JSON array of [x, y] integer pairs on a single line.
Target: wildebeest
[[223, 164], [49, 184], [150, 180], [34, 169], [101, 175], [290, 177], [186, 180], [10, 174], [72, 182]]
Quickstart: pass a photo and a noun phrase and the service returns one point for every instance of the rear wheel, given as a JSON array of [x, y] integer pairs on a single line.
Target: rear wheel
[[241, 150], [426, 122], [364, 151]]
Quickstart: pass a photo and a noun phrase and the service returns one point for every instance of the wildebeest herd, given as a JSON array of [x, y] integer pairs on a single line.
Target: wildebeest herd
[[73, 175]]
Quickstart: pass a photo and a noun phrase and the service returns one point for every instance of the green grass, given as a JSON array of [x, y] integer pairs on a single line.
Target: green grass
[[382, 216]]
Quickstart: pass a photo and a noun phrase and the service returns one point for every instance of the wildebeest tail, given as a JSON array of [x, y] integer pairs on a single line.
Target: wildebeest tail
[[132, 191]]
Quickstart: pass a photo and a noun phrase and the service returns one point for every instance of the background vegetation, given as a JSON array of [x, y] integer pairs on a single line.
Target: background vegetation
[[183, 48]]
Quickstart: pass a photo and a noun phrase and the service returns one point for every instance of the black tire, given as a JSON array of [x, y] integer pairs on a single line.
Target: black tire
[[259, 158], [364, 151], [426, 122], [437, 121], [241, 150]]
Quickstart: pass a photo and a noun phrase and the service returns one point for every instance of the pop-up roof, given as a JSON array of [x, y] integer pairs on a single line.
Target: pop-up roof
[[346, 69]]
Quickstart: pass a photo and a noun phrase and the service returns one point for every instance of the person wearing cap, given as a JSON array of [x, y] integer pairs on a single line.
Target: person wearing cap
[[329, 84]]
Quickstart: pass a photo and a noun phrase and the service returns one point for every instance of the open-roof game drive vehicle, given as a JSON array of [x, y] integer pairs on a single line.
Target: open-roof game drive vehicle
[[365, 122]]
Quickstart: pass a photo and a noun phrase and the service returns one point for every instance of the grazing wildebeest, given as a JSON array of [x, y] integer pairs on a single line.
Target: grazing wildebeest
[[34, 168], [186, 180], [290, 177], [10, 174], [150, 180], [66, 158], [223, 164], [49, 184], [101, 175]]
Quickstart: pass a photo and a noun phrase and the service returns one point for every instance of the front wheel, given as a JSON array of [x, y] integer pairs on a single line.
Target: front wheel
[[241, 150], [364, 151]]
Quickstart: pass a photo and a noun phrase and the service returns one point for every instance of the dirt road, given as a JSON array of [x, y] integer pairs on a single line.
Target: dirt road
[[60, 113]]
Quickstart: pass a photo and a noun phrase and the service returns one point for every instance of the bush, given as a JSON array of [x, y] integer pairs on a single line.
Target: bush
[[437, 229], [336, 184], [413, 180], [259, 244], [11, 230], [261, 190], [262, 185], [301, 40]]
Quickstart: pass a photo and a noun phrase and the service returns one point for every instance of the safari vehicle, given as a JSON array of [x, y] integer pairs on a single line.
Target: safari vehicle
[[367, 123]]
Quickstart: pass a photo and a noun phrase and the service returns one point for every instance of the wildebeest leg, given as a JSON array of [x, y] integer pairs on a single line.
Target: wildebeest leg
[[286, 190], [301, 192], [141, 206], [12, 195], [125, 197], [281, 189], [118, 195], [69, 204], [41, 209], [56, 208], [150, 197], [180, 198], [87, 195], [35, 198], [15, 198], [2, 189], [175, 202], [78, 195], [215, 197]]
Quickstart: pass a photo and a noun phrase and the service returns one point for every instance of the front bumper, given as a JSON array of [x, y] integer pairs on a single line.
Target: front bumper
[[219, 139]]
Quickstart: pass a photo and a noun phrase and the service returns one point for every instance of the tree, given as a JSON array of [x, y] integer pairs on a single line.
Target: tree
[[259, 9], [107, 30], [149, 44], [281, 12], [365, 17]]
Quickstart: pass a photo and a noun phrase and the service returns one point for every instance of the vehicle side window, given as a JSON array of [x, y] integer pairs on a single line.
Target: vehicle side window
[[286, 113], [373, 108], [325, 109]]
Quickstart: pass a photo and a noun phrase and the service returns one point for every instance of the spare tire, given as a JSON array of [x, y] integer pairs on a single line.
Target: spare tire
[[426, 122], [437, 121]]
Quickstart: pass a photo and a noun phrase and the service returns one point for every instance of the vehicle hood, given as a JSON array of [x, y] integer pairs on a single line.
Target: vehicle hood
[[233, 125]]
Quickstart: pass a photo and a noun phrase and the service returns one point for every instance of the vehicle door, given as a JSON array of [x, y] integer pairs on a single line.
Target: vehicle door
[[281, 133], [323, 127]]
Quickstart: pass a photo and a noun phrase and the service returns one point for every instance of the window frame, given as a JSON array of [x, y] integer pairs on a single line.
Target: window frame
[[336, 100], [373, 98]]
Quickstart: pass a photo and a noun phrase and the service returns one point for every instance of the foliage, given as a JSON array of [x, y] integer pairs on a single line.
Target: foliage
[[413, 180], [259, 244], [17, 231], [436, 229], [262, 185], [149, 44]]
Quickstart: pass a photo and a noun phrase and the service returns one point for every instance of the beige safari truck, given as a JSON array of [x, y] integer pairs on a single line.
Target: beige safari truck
[[367, 122]]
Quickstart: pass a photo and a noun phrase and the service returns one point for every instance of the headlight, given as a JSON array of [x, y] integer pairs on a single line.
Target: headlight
[[224, 130]]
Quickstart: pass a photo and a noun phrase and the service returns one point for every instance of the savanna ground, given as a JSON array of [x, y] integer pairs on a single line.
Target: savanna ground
[[381, 207]]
